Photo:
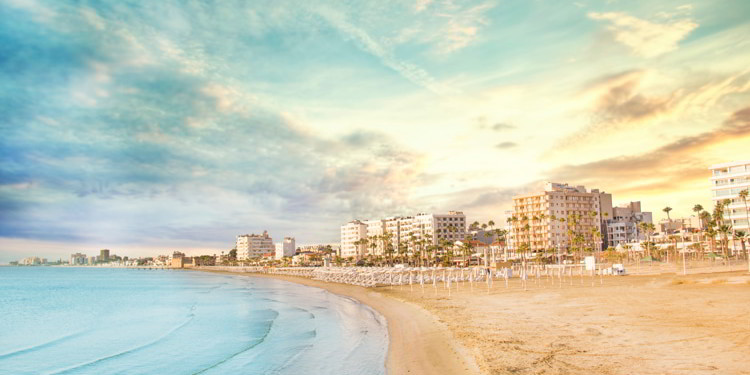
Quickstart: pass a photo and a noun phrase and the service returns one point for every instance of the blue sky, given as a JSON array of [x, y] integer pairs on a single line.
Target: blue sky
[[151, 126]]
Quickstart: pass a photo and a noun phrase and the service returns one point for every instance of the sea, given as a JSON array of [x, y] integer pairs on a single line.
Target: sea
[[97, 320]]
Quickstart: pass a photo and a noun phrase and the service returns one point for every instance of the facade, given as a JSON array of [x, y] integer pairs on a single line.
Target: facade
[[351, 233], [536, 218], [287, 248], [727, 181], [405, 233], [77, 259], [251, 246], [104, 255], [622, 227]]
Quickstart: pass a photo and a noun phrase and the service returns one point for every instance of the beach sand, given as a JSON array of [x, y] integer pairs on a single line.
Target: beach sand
[[419, 343], [659, 324], [667, 324]]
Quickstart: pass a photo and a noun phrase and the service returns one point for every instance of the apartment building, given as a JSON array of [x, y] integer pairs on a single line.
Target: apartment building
[[286, 248], [727, 181], [542, 212], [351, 233], [254, 245], [622, 227], [433, 228]]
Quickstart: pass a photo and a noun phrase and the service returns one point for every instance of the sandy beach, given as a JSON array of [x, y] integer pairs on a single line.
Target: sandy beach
[[658, 324]]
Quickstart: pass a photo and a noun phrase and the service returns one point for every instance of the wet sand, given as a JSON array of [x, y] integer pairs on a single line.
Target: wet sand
[[419, 343]]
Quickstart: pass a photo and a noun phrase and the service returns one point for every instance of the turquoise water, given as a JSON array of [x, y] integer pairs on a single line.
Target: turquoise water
[[125, 321]]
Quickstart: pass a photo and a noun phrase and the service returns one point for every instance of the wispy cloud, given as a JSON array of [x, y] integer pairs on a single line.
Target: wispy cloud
[[647, 38], [367, 43], [664, 168]]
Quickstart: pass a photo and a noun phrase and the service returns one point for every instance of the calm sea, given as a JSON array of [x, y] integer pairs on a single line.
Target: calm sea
[[126, 321]]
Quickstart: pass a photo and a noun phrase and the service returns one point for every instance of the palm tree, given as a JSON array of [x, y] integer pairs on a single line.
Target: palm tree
[[697, 209], [743, 196], [666, 210]]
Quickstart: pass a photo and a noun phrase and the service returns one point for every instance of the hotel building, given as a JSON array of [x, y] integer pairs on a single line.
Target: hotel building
[[434, 228], [287, 248], [727, 181], [558, 201], [254, 245], [351, 233]]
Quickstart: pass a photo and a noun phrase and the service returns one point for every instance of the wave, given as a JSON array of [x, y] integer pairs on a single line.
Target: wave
[[125, 352], [252, 344], [42, 345]]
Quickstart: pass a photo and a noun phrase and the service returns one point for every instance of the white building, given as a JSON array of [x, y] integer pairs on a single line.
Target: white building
[[727, 181], [77, 259], [254, 245], [352, 232], [286, 248], [405, 232]]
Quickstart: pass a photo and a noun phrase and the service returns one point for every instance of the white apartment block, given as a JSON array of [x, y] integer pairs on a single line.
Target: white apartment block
[[77, 258], [559, 201], [287, 248], [727, 180], [254, 245], [352, 232], [403, 230]]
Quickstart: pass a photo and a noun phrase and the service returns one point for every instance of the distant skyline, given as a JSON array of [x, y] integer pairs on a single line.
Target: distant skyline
[[171, 125]]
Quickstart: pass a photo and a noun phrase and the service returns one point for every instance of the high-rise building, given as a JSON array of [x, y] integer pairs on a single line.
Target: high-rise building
[[254, 245], [727, 181], [287, 248], [536, 217], [104, 255]]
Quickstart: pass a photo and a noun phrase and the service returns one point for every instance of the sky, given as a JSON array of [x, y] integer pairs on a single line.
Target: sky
[[146, 127]]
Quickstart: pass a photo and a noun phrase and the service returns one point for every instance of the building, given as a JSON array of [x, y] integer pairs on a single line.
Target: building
[[77, 259], [104, 255], [727, 181], [251, 246], [623, 226], [286, 248], [406, 233], [541, 219], [351, 233]]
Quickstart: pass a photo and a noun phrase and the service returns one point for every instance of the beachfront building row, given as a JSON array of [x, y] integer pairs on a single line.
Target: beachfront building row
[[251, 246], [727, 181], [541, 220], [401, 233]]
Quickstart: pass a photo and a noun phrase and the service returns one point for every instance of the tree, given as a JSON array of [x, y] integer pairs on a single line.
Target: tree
[[743, 196], [669, 219], [233, 254]]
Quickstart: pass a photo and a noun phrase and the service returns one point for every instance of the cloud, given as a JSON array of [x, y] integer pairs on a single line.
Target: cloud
[[462, 27], [646, 38], [661, 169], [367, 43], [483, 123], [506, 145], [620, 102], [170, 150], [422, 5]]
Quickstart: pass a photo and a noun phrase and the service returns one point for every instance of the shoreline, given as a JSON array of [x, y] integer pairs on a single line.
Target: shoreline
[[418, 342]]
